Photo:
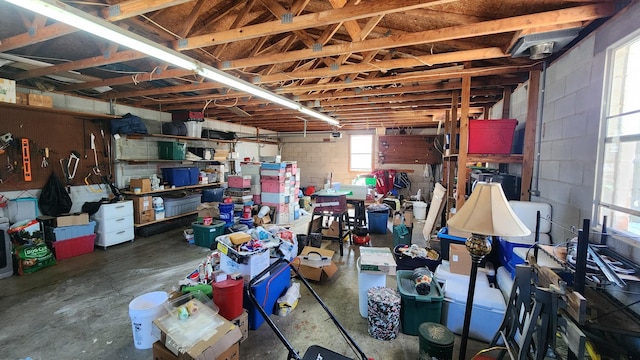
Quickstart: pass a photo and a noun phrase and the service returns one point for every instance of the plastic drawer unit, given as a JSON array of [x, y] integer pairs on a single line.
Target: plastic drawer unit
[[114, 223]]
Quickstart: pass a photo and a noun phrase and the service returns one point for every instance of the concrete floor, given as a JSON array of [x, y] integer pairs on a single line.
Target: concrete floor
[[78, 309]]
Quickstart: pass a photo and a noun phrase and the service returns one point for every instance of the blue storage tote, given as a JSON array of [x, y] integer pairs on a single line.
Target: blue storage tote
[[179, 206], [446, 240], [69, 232], [181, 176], [416, 309], [267, 291], [212, 195], [378, 221], [273, 166]]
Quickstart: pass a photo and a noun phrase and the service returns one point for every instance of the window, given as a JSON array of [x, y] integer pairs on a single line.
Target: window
[[361, 152], [618, 191]]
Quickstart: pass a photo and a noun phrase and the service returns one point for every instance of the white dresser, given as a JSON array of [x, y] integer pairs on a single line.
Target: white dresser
[[114, 223]]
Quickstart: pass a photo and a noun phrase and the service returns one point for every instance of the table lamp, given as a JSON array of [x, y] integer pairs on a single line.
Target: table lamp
[[485, 213]]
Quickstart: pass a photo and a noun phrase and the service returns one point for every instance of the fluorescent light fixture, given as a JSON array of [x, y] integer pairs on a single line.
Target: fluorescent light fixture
[[318, 115], [99, 27]]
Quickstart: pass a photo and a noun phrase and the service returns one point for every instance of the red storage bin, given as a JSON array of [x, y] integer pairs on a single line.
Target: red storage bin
[[340, 207], [272, 186], [491, 136], [73, 247], [237, 181]]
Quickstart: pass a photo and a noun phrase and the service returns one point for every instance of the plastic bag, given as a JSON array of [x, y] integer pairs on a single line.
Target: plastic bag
[[33, 257], [289, 301], [54, 198]]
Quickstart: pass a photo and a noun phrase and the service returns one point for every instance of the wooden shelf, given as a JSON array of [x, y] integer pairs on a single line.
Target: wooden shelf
[[78, 114], [139, 161], [165, 219], [199, 186], [494, 158], [186, 138]]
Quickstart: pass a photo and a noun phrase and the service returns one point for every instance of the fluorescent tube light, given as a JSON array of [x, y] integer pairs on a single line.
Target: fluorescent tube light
[[319, 115], [99, 27]]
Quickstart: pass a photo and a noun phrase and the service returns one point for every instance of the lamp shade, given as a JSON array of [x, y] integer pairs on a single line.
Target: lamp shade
[[487, 212]]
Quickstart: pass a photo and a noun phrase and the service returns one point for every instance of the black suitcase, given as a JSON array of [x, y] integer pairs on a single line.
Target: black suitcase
[[177, 128]]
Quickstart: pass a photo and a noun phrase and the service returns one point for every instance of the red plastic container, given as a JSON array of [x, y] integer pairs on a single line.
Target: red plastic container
[[491, 136], [341, 205], [272, 186], [73, 247], [237, 181], [227, 295]]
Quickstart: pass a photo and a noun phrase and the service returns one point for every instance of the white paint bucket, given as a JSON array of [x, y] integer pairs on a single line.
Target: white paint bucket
[[420, 210], [143, 310]]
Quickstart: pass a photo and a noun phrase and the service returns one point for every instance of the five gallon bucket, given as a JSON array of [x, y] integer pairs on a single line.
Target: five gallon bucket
[[227, 295], [365, 282], [420, 210], [143, 310]]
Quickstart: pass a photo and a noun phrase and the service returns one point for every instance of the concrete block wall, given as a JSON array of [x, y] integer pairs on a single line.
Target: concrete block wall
[[569, 137], [318, 158]]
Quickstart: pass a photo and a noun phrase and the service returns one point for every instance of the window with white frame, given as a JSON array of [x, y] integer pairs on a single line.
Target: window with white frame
[[361, 152], [618, 192]]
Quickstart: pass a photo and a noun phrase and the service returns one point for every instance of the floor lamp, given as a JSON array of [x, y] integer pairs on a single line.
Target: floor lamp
[[485, 213]]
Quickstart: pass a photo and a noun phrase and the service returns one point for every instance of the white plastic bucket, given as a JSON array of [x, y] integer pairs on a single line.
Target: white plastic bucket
[[194, 128], [143, 310], [365, 282], [420, 210]]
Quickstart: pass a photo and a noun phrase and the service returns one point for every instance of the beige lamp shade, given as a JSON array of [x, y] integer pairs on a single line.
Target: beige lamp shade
[[487, 212]]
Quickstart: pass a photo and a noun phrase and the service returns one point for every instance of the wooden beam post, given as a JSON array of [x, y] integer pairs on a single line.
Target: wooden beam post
[[530, 135]]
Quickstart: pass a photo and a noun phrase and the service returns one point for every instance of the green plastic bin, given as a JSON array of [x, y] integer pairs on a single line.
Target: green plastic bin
[[416, 309], [205, 235], [170, 150]]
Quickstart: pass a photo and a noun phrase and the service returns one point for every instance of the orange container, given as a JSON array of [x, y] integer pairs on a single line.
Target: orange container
[[227, 295]]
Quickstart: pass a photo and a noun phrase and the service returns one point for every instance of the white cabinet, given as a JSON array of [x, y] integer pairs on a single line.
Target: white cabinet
[[114, 223]]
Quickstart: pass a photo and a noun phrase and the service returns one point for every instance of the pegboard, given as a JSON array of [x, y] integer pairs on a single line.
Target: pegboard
[[408, 149], [62, 132]]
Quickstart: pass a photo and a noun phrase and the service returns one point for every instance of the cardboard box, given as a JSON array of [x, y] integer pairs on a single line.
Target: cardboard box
[[316, 273], [221, 346], [160, 352], [242, 322], [142, 203], [143, 184], [459, 259], [8, 91], [261, 220], [22, 98], [40, 100], [144, 217], [208, 209], [333, 230], [408, 218], [377, 260], [72, 219]]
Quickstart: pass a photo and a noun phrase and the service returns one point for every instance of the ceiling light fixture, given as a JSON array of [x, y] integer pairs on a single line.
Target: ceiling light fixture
[[99, 27]]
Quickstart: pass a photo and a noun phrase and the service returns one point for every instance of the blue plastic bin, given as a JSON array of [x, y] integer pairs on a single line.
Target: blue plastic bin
[[69, 232], [378, 221], [212, 195], [267, 291], [181, 176]]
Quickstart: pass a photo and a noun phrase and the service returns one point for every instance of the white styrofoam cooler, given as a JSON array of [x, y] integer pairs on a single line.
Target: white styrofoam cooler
[[526, 211], [488, 310]]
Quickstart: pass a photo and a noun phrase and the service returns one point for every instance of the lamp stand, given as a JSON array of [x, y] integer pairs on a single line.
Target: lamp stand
[[478, 247]]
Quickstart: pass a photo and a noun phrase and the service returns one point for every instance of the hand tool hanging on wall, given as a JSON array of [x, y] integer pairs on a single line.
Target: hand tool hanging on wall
[[96, 167], [45, 158], [5, 142], [26, 159], [69, 166]]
